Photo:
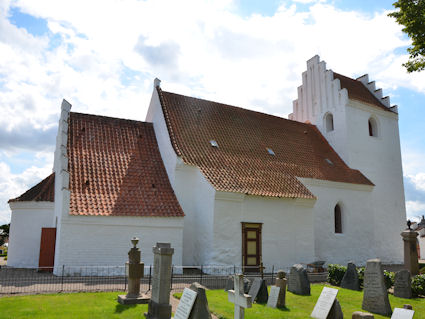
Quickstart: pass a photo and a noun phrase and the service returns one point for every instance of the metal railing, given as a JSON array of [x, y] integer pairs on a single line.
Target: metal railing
[[113, 278]]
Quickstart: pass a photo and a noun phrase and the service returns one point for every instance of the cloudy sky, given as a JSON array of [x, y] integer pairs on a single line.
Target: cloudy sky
[[102, 56]]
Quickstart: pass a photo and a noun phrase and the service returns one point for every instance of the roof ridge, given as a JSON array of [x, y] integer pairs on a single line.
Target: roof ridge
[[110, 118]]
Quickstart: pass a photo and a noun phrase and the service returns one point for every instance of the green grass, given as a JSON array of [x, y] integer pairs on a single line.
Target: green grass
[[78, 305], [302, 306]]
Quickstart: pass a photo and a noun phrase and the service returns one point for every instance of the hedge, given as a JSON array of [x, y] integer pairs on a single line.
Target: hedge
[[336, 272]]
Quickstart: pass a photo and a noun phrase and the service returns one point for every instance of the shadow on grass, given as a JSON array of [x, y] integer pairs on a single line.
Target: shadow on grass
[[120, 308]]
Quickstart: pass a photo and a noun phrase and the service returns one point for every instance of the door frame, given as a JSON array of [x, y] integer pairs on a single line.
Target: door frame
[[257, 227]]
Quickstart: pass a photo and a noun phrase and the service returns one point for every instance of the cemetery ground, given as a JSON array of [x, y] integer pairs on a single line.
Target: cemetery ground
[[104, 305]]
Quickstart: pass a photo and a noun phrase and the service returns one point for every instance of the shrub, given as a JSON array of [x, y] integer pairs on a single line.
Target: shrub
[[336, 272], [360, 272], [389, 279], [418, 285]]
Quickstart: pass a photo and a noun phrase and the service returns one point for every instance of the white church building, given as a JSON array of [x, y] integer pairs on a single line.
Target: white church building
[[224, 185]]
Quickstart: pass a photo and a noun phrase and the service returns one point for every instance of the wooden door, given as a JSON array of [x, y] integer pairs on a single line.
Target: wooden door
[[47, 249], [251, 247]]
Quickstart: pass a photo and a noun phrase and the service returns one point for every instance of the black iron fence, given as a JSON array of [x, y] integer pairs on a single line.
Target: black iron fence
[[113, 278]]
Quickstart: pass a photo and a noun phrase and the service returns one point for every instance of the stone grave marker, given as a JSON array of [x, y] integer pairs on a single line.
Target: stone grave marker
[[134, 271], [258, 291], [403, 284], [362, 315], [185, 305], [200, 309], [400, 313], [238, 297], [230, 286], [410, 251], [274, 296], [159, 306], [325, 303], [375, 294], [281, 283], [298, 282], [351, 278]]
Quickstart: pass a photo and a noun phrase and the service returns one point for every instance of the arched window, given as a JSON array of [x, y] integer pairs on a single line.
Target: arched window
[[329, 122], [338, 219], [373, 127]]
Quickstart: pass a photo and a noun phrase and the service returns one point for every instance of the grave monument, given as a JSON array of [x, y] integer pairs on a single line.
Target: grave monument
[[238, 297], [298, 282], [403, 284], [410, 252], [351, 278], [281, 283]]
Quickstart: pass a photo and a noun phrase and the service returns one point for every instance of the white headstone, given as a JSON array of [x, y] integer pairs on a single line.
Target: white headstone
[[185, 304], [238, 297], [400, 313], [324, 303], [273, 297]]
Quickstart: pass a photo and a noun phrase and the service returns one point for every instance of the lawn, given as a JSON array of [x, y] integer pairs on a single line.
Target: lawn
[[104, 305]]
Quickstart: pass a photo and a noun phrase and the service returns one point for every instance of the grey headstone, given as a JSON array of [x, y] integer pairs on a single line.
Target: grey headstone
[[351, 278], [325, 303], [336, 311], [400, 313], [273, 297], [403, 284], [200, 309], [362, 315], [298, 282], [258, 291], [281, 283], [375, 294], [230, 284]]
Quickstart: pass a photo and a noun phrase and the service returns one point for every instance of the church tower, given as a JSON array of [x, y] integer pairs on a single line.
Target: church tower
[[362, 127]]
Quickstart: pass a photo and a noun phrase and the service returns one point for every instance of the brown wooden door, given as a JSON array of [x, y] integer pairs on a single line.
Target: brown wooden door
[[47, 249], [251, 247]]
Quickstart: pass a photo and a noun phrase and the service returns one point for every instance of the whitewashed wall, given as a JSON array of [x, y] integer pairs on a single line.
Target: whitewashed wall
[[25, 232], [287, 231], [105, 240]]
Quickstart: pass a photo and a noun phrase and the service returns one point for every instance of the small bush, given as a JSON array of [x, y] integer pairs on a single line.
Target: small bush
[[389, 279], [418, 285], [360, 272], [336, 272]]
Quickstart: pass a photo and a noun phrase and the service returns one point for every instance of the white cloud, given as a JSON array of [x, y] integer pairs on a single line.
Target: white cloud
[[415, 208]]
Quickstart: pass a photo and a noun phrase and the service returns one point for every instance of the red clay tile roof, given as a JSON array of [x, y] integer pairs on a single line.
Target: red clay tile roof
[[116, 169], [42, 192], [357, 91], [241, 162]]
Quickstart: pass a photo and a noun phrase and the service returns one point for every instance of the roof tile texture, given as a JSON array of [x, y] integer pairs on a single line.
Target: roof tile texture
[[42, 192], [116, 169], [241, 162]]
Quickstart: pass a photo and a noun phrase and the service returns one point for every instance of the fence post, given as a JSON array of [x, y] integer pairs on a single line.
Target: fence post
[[234, 269], [63, 270], [125, 278], [202, 270], [172, 274], [150, 276]]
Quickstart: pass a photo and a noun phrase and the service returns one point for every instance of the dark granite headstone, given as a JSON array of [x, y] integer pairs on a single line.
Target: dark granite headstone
[[351, 278], [230, 284], [375, 294], [403, 284], [298, 282], [258, 291], [336, 311], [200, 308]]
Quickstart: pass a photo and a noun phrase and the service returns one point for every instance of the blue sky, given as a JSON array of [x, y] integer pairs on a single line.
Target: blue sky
[[246, 53]]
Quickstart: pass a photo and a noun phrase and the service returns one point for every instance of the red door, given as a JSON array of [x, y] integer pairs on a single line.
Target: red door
[[47, 249]]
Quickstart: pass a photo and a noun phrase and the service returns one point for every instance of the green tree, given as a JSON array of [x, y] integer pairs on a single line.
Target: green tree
[[411, 15], [4, 233]]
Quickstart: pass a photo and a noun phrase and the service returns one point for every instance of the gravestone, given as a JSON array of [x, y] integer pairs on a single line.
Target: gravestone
[[230, 286], [407, 306], [281, 283], [403, 284], [134, 271], [410, 251], [400, 313], [258, 291], [159, 306], [298, 282], [238, 297], [273, 298], [375, 294], [327, 306], [351, 278], [200, 309], [185, 304], [362, 315]]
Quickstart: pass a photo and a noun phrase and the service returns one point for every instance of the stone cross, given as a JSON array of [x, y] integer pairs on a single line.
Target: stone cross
[[159, 306], [238, 297]]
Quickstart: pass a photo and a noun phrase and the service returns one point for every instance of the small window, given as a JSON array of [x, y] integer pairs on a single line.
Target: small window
[[373, 127], [214, 143], [329, 161], [338, 219], [270, 151], [329, 122]]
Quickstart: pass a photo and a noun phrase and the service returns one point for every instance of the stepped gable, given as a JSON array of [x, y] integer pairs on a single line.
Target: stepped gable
[[115, 169], [42, 192], [241, 163]]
